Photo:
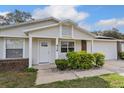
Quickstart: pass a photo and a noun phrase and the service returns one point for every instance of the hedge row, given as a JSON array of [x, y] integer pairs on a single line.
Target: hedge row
[[80, 60]]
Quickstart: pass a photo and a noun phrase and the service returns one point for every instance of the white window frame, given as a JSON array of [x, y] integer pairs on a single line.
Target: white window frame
[[67, 46], [4, 46]]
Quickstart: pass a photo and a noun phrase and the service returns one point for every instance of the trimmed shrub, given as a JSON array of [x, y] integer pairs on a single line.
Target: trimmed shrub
[[87, 60], [73, 59], [121, 55], [61, 64], [80, 60], [31, 70], [99, 59]]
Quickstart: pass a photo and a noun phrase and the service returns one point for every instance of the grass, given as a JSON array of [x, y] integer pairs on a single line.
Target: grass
[[17, 79], [103, 81], [27, 79]]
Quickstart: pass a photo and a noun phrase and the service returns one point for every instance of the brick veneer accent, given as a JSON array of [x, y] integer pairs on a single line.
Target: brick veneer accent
[[13, 64]]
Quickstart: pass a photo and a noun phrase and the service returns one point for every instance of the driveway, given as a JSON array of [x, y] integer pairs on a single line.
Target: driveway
[[115, 66], [48, 73]]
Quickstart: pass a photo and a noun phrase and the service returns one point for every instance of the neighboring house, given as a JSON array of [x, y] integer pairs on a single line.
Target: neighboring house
[[45, 40]]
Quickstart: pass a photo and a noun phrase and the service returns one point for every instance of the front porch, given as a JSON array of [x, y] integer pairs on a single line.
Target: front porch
[[46, 50]]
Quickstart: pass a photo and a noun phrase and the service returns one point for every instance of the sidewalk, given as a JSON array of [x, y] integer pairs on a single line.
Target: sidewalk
[[49, 73]]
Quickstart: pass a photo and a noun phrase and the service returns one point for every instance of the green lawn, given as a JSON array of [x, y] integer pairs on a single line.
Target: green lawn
[[103, 81], [17, 79], [27, 79]]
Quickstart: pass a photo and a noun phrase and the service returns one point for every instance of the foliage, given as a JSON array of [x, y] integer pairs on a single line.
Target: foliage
[[121, 55], [15, 17], [61, 64], [80, 60], [31, 70], [73, 59], [114, 32], [99, 59], [87, 60]]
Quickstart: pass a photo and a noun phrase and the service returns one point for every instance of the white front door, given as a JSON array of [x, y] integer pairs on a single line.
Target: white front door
[[44, 51]]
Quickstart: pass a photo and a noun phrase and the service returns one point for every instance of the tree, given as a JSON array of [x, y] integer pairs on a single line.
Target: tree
[[3, 20], [16, 17], [114, 32]]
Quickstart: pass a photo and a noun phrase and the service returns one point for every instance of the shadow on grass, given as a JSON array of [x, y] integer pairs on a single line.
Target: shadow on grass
[[86, 82]]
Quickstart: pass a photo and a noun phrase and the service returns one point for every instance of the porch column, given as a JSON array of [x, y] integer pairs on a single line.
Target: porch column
[[72, 31], [57, 51], [91, 46], [30, 52], [60, 30]]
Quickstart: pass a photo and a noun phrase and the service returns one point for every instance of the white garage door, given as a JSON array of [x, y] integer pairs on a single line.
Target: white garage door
[[109, 48]]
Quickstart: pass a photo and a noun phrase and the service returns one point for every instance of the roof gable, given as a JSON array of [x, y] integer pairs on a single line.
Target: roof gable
[[29, 22], [66, 22], [40, 24]]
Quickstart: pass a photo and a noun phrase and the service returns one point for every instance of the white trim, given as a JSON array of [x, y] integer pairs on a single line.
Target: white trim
[[60, 38], [7, 36], [30, 52], [24, 48], [38, 58], [72, 31], [60, 30], [75, 38], [91, 46], [4, 48], [37, 28], [57, 49], [14, 36], [104, 40]]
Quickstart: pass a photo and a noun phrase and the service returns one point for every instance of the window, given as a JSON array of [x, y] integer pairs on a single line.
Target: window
[[14, 48], [64, 46], [67, 46], [44, 44], [71, 46]]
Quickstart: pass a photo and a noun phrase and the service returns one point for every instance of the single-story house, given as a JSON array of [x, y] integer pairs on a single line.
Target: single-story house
[[43, 41]]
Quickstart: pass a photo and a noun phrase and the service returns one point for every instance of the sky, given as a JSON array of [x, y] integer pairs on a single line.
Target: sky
[[90, 17]]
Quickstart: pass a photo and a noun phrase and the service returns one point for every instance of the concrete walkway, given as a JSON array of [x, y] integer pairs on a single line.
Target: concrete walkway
[[48, 73]]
